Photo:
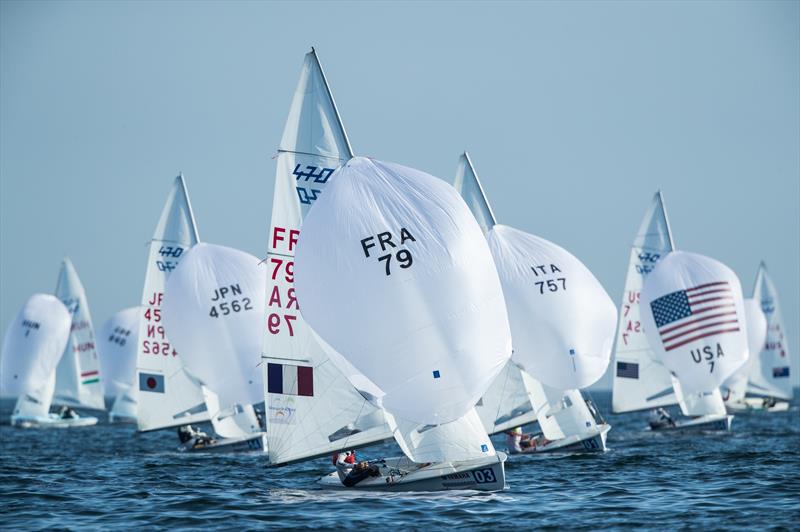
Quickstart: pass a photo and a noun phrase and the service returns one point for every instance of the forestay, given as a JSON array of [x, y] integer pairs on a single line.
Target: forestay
[[640, 380], [32, 348], [168, 395], [562, 320], [771, 374], [116, 345], [312, 409], [214, 310], [735, 387], [394, 273], [694, 319], [78, 377]]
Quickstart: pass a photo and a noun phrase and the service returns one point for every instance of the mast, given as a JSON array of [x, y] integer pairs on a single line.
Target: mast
[[333, 103]]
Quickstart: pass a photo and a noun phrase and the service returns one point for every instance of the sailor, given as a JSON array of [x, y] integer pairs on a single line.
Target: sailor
[[191, 438], [517, 441], [660, 418], [67, 413], [344, 462]]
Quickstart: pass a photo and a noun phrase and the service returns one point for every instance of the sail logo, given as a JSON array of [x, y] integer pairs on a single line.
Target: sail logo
[[552, 285], [29, 326], [151, 382], [403, 256], [119, 336], [689, 315], [314, 174], [286, 379]]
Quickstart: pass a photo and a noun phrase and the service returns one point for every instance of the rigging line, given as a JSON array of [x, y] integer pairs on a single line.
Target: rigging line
[[502, 395]]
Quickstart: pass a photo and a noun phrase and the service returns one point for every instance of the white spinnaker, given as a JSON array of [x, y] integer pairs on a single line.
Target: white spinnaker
[[506, 403], [560, 413], [391, 261], [771, 374], [126, 402], [168, 396], [32, 347], [693, 316], [79, 381], [116, 345], [562, 319], [734, 388], [214, 310], [456, 441], [699, 403], [333, 416], [640, 379]]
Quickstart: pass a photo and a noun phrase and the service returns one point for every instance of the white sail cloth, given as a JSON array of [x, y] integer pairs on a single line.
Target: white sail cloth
[[694, 319], [78, 378], [394, 273], [640, 379], [116, 344], [735, 386], [699, 403], [214, 310], [33, 346], [167, 395], [560, 413], [771, 374], [562, 320]]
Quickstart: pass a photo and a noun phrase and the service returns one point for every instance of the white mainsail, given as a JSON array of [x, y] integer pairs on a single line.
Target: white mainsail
[[771, 375], [78, 376], [693, 316], [420, 311], [640, 380], [312, 409], [167, 395], [735, 387], [32, 348]]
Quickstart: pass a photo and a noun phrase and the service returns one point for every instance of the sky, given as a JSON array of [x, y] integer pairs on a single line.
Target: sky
[[574, 114]]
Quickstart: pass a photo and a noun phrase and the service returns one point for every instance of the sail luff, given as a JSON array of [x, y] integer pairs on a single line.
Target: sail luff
[[492, 217], [350, 154], [192, 221]]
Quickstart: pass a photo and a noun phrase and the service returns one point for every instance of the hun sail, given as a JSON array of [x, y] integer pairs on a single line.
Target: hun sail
[[78, 377], [116, 343]]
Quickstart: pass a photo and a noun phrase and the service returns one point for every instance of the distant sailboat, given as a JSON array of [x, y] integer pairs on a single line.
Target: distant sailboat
[[116, 344], [694, 320], [78, 378], [312, 408], [394, 273], [567, 422], [766, 385], [641, 381], [32, 348]]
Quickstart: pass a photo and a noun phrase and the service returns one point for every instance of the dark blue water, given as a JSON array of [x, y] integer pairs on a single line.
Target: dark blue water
[[111, 477]]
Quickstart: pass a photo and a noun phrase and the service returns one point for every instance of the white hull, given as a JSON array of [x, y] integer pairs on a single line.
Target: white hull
[[593, 441], [709, 423], [51, 421], [401, 474], [116, 418], [251, 443], [756, 404]]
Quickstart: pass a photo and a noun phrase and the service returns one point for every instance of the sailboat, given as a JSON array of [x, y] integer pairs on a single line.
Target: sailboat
[[641, 381], [32, 348], [693, 318], [568, 423], [312, 407], [167, 394], [78, 379], [213, 309], [769, 386], [394, 273], [116, 344]]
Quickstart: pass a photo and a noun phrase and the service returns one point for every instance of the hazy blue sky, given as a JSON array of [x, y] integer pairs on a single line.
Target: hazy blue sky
[[574, 114]]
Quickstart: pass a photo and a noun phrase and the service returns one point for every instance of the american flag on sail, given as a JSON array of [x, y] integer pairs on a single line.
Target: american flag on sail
[[695, 313]]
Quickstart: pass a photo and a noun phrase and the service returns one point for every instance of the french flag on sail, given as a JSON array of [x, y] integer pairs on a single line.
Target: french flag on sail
[[286, 379]]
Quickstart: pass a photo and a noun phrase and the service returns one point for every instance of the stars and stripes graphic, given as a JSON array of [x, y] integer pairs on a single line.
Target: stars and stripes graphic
[[628, 370], [695, 313]]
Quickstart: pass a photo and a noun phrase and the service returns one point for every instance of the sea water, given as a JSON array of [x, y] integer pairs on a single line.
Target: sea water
[[112, 477]]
